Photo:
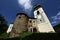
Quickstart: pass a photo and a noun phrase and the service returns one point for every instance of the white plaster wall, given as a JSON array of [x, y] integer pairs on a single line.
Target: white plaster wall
[[45, 26], [10, 28]]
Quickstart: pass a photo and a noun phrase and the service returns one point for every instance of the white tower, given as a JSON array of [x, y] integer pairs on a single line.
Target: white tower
[[43, 23]]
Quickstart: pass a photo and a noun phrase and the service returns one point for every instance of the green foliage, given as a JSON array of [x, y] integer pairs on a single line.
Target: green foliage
[[35, 36], [57, 28], [25, 34], [4, 35], [3, 24], [41, 36]]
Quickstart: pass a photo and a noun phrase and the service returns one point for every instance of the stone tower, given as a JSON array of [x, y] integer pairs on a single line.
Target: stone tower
[[20, 25], [43, 22]]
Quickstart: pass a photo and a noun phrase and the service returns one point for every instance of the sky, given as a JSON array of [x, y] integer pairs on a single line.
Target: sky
[[9, 9]]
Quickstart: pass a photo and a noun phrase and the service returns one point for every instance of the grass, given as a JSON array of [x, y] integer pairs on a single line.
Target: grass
[[25, 34], [32, 36], [3, 35]]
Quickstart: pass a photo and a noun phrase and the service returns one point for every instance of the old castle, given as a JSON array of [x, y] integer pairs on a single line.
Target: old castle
[[23, 23]]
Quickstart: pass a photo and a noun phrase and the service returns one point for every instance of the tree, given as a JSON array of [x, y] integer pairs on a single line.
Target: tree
[[3, 24]]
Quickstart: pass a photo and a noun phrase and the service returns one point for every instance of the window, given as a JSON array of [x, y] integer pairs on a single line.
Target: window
[[41, 20], [38, 12], [19, 17], [34, 30], [34, 21], [30, 21]]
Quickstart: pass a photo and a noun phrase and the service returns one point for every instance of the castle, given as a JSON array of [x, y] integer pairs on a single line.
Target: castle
[[23, 23]]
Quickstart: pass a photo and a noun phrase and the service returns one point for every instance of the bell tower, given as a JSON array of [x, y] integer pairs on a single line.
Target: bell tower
[[43, 22]]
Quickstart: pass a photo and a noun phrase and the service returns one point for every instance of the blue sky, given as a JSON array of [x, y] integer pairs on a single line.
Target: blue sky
[[9, 9]]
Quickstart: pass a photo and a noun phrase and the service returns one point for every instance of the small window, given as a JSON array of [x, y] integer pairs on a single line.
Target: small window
[[38, 12], [34, 30], [30, 21], [19, 17], [34, 21], [41, 20]]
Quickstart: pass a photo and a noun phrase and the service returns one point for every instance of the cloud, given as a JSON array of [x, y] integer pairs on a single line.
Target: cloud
[[54, 22], [56, 18], [26, 4]]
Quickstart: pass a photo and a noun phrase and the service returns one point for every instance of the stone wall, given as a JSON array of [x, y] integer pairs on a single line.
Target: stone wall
[[20, 25]]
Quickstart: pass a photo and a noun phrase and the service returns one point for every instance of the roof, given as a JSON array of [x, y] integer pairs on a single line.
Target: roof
[[32, 18], [25, 15], [37, 6], [21, 14]]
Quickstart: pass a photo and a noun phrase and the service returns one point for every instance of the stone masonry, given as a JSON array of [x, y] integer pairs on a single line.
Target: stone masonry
[[20, 25]]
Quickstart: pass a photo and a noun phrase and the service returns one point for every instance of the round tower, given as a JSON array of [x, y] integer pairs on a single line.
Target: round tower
[[20, 25]]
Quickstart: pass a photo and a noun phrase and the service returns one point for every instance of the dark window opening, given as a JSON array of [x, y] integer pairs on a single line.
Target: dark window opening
[[34, 21], [19, 17], [31, 30], [38, 12], [41, 20], [30, 21], [34, 30]]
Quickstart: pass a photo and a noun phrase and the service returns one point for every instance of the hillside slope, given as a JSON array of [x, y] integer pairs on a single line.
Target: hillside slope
[[57, 28], [37, 36]]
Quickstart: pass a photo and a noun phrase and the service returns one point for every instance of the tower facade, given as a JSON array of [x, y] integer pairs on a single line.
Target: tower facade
[[20, 25], [43, 22]]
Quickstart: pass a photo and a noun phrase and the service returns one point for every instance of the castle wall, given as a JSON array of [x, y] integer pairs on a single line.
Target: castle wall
[[45, 28], [20, 25], [32, 24], [39, 23]]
